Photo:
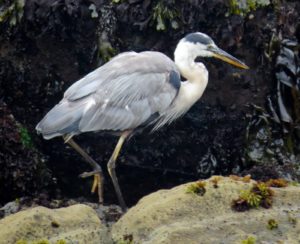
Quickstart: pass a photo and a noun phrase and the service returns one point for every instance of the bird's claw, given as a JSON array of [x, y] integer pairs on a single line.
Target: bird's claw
[[91, 173], [97, 183]]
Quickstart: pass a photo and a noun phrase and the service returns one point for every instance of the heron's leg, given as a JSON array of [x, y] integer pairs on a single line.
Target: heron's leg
[[111, 166], [97, 171]]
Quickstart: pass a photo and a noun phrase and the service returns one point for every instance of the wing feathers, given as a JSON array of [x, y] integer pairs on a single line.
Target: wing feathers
[[62, 119], [122, 94]]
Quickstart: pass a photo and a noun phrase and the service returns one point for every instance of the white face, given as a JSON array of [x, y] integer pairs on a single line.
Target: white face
[[198, 49], [199, 44], [204, 50]]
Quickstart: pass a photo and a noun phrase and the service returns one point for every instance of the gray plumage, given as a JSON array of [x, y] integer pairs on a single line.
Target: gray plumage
[[121, 95], [131, 91]]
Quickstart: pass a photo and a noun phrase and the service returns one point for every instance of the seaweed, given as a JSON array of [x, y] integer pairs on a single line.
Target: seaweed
[[243, 7], [23, 169], [12, 13], [259, 195], [165, 15], [25, 137]]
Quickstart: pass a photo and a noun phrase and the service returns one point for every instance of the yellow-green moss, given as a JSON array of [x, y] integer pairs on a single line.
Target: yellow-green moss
[[42, 241], [294, 183], [251, 198], [124, 242], [25, 137], [165, 15], [127, 239], [215, 181], [249, 240], [13, 13], [61, 242], [272, 224], [242, 7], [197, 188], [292, 219], [258, 195], [106, 51], [21, 242], [262, 189]]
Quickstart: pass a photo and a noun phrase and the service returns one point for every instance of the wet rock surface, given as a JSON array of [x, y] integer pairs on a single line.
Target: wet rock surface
[[47, 45]]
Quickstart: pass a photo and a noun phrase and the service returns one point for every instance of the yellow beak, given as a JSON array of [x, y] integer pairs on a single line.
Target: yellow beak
[[220, 54]]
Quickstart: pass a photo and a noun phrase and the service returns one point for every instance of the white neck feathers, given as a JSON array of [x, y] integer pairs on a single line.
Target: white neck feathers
[[195, 73], [192, 89]]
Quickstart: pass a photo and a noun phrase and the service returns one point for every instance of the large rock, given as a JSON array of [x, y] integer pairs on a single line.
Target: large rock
[[75, 224], [175, 216], [169, 216], [23, 169]]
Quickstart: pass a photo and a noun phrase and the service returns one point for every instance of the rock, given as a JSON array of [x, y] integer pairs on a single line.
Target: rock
[[191, 213], [23, 168], [175, 216], [9, 208], [46, 45], [75, 224]]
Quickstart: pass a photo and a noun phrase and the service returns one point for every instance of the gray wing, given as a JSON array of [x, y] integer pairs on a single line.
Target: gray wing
[[120, 95]]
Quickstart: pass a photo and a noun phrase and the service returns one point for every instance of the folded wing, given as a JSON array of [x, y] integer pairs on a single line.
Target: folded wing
[[122, 94]]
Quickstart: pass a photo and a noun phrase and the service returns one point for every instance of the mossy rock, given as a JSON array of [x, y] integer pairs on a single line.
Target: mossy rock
[[176, 216], [75, 224]]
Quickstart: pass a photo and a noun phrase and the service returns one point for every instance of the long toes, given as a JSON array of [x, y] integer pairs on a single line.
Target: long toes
[[100, 190], [97, 184], [88, 174]]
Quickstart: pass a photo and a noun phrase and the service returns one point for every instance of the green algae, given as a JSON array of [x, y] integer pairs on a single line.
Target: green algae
[[197, 188], [272, 224], [259, 195], [243, 7], [165, 15], [25, 137], [249, 240], [12, 13]]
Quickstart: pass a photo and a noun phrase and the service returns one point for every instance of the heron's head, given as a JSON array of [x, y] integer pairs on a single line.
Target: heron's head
[[201, 45]]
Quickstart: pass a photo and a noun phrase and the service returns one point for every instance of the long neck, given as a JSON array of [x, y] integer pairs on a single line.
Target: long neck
[[184, 60], [195, 73]]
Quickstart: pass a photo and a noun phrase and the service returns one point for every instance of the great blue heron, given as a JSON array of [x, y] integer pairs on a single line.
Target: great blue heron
[[131, 91]]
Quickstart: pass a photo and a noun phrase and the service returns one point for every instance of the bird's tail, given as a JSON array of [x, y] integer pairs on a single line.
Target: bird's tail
[[61, 120]]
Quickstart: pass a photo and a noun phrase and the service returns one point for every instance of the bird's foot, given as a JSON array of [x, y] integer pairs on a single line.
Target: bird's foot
[[97, 183]]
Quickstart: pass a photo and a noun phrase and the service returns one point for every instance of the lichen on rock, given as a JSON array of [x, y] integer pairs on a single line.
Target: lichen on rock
[[75, 224], [172, 216]]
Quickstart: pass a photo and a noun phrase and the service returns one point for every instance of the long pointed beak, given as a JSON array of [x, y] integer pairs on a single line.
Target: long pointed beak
[[221, 54]]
